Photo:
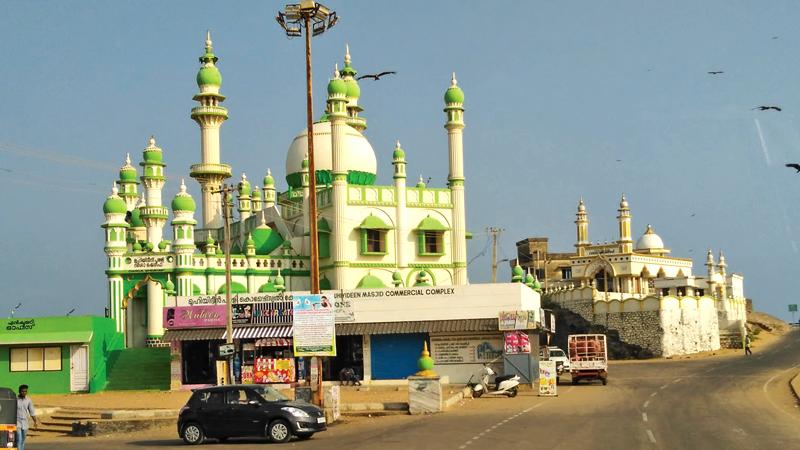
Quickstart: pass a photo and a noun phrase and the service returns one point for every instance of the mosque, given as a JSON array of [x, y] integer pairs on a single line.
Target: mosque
[[370, 236]]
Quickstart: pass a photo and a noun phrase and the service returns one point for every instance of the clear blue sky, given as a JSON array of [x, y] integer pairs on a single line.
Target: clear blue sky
[[556, 93]]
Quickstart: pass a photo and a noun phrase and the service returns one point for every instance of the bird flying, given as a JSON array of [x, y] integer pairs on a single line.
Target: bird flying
[[794, 166], [376, 76], [767, 108], [715, 72]]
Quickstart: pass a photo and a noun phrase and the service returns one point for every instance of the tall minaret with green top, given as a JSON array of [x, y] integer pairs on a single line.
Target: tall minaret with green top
[[210, 173], [337, 112], [352, 94], [399, 163], [454, 108], [115, 227], [183, 223], [154, 214]]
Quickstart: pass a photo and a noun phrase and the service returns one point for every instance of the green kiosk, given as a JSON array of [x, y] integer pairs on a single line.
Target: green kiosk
[[57, 354]]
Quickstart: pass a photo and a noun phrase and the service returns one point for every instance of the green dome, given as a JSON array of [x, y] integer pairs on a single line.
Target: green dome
[[153, 155], [210, 240], [163, 245], [268, 180], [398, 153], [183, 201], [370, 282], [353, 89], [266, 240], [396, 276], [536, 285], [137, 247], [304, 164], [517, 271], [529, 279], [454, 94], [169, 286], [337, 86], [114, 203], [209, 76], [256, 193], [244, 186], [136, 218], [250, 241], [126, 174]]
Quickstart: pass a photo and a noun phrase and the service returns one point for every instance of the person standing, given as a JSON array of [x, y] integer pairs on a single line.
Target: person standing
[[747, 350], [24, 409]]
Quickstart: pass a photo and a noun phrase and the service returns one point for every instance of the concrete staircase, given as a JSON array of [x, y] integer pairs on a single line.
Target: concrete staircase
[[58, 421], [139, 369]]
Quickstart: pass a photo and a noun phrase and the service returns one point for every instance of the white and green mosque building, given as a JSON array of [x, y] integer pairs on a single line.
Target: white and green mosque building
[[397, 237]]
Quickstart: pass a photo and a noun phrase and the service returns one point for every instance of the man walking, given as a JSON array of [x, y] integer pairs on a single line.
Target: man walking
[[24, 408], [747, 350]]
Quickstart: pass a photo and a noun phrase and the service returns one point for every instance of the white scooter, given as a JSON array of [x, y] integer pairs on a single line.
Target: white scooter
[[503, 385]]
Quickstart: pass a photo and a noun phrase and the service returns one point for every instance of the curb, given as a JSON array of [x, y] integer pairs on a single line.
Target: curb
[[464, 393], [366, 407], [794, 385]]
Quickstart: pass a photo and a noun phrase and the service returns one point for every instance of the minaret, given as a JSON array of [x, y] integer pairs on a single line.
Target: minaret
[[115, 225], [399, 163], [154, 214], [129, 184], [210, 173], [582, 223], [723, 271], [625, 242], [245, 207], [183, 208], [337, 111], [711, 271], [269, 190], [454, 108], [255, 195], [305, 184], [353, 94]]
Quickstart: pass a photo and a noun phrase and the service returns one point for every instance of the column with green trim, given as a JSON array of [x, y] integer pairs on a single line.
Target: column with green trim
[[454, 108], [337, 107], [183, 223], [399, 163], [115, 228]]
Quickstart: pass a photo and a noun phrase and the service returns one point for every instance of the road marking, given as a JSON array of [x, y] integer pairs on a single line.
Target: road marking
[[644, 416], [677, 380], [647, 403], [654, 394], [664, 387], [651, 437], [764, 388], [493, 427], [475, 438]]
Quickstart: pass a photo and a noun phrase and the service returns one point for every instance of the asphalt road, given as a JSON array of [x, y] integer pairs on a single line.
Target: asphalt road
[[732, 402]]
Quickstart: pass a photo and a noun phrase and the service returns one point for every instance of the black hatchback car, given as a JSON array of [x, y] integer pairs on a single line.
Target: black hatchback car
[[223, 412]]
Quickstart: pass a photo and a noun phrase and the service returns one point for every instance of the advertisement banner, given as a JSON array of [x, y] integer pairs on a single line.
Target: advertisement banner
[[548, 381], [548, 385], [516, 343], [343, 306], [517, 320], [273, 370], [468, 349], [247, 374], [314, 325], [210, 316]]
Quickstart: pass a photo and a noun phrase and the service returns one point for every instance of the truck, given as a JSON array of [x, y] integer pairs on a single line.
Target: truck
[[588, 357]]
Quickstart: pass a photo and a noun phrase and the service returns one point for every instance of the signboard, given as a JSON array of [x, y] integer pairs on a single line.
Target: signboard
[[314, 326], [20, 324], [226, 349], [516, 343], [247, 375], [517, 320], [195, 316], [148, 263], [792, 308], [343, 306], [468, 349], [548, 381], [273, 370]]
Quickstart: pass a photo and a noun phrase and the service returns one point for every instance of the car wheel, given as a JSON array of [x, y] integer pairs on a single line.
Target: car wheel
[[304, 436], [279, 431], [193, 434]]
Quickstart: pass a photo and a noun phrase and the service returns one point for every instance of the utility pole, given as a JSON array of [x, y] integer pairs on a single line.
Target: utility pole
[[227, 213], [494, 232]]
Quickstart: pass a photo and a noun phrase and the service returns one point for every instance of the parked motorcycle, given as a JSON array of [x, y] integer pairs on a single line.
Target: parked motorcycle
[[503, 384]]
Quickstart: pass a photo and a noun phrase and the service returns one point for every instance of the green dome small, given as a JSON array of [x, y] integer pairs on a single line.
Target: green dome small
[[169, 286], [396, 276], [398, 153], [163, 245], [517, 271], [250, 241], [152, 154], [266, 240], [256, 193], [136, 218], [183, 201], [209, 76], [137, 247], [536, 285], [114, 205], [304, 164], [268, 180], [127, 172], [529, 279], [244, 186], [210, 240], [149, 246], [337, 86], [353, 90], [454, 94]]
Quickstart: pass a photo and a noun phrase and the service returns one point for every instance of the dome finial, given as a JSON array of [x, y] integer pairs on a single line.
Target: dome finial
[[244, 176], [336, 75], [269, 171], [397, 145], [183, 186], [347, 54], [208, 41], [114, 189], [152, 141], [453, 81], [649, 229], [128, 159]]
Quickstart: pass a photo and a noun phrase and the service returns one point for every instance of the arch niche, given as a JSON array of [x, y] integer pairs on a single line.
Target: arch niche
[[603, 276]]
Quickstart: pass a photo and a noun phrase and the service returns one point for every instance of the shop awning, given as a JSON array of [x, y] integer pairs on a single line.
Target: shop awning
[[56, 337], [197, 334], [425, 326], [261, 332]]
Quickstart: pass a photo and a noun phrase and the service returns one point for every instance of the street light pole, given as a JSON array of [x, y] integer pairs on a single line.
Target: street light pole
[[226, 230]]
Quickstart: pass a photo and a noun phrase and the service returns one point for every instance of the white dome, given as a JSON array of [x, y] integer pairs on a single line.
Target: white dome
[[649, 240], [358, 153]]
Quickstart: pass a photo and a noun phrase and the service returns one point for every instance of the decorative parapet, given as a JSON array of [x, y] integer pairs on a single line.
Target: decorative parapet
[[371, 195], [428, 197]]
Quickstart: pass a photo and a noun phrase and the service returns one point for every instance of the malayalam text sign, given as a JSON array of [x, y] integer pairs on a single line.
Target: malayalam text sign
[[195, 316]]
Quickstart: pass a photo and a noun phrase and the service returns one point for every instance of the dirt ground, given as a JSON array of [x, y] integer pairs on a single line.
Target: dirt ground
[[114, 400]]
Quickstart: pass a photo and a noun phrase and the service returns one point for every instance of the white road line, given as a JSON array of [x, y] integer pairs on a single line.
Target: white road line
[[764, 388], [644, 417], [664, 387], [654, 394], [646, 404], [475, 438], [677, 380], [651, 437]]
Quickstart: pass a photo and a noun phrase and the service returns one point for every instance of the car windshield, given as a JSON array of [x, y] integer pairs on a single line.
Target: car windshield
[[270, 394]]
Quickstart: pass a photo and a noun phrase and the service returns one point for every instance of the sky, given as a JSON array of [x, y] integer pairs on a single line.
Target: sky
[[563, 100]]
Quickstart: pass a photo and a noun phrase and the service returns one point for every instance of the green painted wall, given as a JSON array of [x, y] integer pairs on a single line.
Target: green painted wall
[[104, 340]]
